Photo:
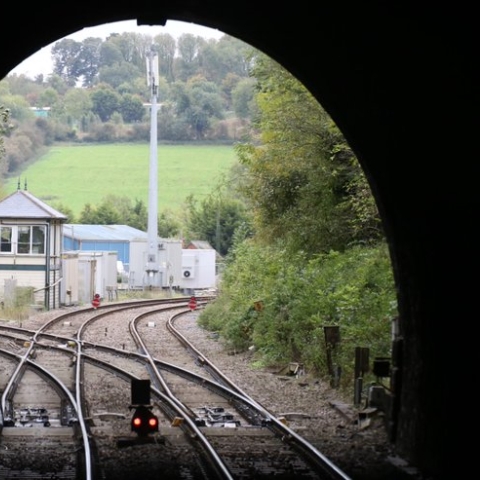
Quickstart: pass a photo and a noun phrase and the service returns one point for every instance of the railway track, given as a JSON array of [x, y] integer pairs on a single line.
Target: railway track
[[66, 388]]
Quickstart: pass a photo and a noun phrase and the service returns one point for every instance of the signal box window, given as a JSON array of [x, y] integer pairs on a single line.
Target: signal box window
[[29, 239], [38, 239], [6, 239], [23, 245]]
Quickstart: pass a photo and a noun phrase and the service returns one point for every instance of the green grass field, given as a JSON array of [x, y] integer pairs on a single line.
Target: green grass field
[[76, 175]]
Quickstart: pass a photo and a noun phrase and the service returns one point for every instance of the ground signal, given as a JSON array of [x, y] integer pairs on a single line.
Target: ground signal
[[96, 301], [144, 422], [192, 304]]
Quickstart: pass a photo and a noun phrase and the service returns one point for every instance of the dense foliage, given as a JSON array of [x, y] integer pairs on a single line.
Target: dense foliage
[[304, 181], [317, 257], [216, 219], [120, 210], [280, 303], [4, 113]]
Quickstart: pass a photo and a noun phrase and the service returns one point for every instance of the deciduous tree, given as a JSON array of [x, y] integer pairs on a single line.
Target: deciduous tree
[[303, 176], [105, 102]]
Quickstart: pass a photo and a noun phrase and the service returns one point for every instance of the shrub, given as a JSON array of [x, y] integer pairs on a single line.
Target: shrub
[[353, 290]]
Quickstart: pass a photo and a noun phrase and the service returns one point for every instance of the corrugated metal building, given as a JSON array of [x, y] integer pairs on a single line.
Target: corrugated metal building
[[178, 268], [131, 247], [110, 238]]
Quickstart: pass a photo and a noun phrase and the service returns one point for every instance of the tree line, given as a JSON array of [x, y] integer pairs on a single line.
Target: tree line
[[98, 92], [214, 219]]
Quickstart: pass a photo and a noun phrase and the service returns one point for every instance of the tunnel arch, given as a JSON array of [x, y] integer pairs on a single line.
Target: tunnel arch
[[400, 84]]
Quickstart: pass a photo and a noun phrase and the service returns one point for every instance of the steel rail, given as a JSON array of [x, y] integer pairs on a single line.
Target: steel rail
[[214, 458], [319, 459], [221, 471], [157, 376]]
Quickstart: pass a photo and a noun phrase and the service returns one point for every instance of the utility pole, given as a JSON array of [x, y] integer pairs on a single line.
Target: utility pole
[[152, 267]]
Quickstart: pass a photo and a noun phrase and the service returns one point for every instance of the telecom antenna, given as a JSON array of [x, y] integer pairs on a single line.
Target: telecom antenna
[[152, 266]]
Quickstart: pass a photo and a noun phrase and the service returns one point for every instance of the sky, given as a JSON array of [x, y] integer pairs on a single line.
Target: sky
[[41, 61]]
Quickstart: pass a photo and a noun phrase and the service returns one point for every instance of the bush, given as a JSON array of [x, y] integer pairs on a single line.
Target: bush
[[353, 290]]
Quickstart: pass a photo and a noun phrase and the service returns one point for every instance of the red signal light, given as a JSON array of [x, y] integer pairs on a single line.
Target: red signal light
[[144, 421], [153, 422]]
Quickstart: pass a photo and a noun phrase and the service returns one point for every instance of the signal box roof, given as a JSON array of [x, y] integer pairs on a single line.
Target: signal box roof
[[22, 204]]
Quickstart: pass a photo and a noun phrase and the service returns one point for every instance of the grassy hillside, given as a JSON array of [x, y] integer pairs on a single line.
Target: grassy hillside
[[76, 175]]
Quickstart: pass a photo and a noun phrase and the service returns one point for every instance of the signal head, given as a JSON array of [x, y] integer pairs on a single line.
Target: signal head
[[144, 421]]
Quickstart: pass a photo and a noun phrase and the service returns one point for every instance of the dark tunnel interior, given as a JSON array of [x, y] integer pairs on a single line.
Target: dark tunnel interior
[[401, 82]]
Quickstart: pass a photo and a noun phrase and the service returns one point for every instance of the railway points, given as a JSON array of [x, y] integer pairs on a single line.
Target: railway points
[[191, 404]]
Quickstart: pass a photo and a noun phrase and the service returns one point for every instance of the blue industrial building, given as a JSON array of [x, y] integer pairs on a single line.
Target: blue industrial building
[[131, 247], [106, 238]]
